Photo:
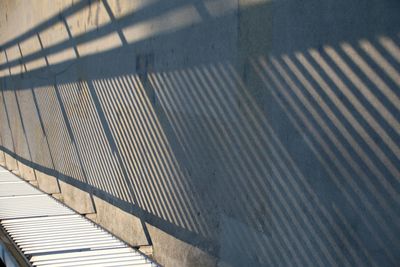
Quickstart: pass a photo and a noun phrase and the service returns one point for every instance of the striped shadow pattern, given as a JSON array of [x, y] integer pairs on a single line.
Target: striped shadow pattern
[[50, 234]]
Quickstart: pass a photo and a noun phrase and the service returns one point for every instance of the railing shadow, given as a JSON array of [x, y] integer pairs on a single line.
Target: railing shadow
[[272, 139]]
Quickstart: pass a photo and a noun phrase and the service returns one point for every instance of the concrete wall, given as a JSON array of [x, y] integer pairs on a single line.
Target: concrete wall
[[220, 132]]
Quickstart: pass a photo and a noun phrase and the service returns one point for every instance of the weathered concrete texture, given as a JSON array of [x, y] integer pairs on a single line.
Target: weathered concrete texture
[[226, 132], [173, 252], [26, 172], [47, 183], [129, 227], [76, 198], [2, 159], [11, 163]]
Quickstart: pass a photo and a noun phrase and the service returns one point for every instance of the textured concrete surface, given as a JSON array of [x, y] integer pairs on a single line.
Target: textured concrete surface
[[123, 224], [174, 252], [10, 162], [26, 172], [47, 183], [76, 198], [226, 132]]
